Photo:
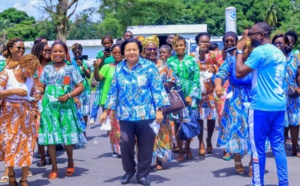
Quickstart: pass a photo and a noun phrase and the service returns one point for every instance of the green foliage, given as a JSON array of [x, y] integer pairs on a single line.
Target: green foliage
[[19, 24], [83, 27], [116, 15]]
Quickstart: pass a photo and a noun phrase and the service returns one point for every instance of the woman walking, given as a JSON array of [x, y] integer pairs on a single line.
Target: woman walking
[[60, 124], [43, 52], [187, 71], [103, 57], [208, 61], [138, 95], [281, 41], [163, 141], [17, 116], [233, 134], [106, 74], [85, 73]]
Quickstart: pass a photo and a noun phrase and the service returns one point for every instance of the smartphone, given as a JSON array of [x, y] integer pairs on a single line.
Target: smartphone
[[107, 50]]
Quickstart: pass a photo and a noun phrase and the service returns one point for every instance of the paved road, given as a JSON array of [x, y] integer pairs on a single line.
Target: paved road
[[94, 166]]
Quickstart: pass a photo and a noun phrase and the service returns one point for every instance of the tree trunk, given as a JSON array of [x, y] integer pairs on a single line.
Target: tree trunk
[[60, 16]]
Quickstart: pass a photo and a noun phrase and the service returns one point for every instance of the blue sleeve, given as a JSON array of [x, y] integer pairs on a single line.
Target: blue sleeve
[[224, 71], [255, 58], [160, 97], [76, 77]]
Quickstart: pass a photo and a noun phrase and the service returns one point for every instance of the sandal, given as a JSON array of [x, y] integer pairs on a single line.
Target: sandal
[[250, 170], [4, 179], [158, 167], [14, 181], [202, 149], [23, 181], [296, 153], [70, 171], [239, 168], [180, 157], [189, 154], [209, 147], [226, 156], [52, 176], [175, 149], [29, 174]]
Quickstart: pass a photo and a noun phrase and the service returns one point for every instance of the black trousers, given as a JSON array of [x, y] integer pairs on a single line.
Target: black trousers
[[140, 132]]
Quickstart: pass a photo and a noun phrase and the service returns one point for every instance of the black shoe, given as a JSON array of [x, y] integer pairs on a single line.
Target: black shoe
[[144, 181], [41, 164], [126, 178]]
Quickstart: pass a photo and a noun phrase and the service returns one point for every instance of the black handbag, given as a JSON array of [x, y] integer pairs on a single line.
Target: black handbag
[[175, 99], [292, 91]]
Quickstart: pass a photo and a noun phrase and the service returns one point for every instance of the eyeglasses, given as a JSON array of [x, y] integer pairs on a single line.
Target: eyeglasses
[[150, 49], [250, 34], [77, 53], [47, 50], [19, 48], [229, 40], [277, 43]]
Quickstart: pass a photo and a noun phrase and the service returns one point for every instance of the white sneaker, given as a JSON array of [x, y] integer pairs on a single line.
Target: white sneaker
[[92, 121]]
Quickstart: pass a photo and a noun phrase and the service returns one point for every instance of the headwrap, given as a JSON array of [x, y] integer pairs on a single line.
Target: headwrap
[[152, 39], [230, 33], [140, 38]]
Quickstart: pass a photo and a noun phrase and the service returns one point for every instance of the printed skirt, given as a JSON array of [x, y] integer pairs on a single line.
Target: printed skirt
[[60, 123], [17, 133]]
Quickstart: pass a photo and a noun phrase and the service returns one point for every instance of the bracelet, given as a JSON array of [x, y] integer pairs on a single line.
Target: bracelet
[[69, 95]]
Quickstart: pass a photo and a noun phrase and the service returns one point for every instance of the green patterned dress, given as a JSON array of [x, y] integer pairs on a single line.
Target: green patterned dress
[[187, 72], [60, 124]]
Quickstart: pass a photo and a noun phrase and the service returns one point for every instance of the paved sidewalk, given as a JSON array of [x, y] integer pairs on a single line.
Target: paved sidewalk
[[94, 166]]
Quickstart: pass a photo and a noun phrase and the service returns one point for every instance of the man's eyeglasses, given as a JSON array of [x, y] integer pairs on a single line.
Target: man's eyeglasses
[[278, 43], [19, 48], [229, 40], [151, 49]]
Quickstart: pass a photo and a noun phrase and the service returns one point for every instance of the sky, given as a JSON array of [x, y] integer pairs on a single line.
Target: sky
[[29, 7]]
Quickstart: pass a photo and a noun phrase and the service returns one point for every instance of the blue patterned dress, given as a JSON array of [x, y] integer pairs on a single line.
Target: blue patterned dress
[[293, 104], [233, 134]]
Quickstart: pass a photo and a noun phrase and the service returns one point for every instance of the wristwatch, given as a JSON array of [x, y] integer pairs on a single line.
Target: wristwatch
[[239, 52], [158, 108]]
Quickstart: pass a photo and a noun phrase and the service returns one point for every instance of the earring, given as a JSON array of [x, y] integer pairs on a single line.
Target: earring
[[23, 69]]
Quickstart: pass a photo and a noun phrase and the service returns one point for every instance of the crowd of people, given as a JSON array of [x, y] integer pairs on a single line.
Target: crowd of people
[[249, 88]]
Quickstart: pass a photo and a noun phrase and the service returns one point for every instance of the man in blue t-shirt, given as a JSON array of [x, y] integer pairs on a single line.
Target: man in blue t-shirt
[[268, 105]]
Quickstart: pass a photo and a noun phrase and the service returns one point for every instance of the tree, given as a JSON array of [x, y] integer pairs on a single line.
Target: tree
[[118, 14], [17, 24], [83, 27], [59, 14], [4, 25]]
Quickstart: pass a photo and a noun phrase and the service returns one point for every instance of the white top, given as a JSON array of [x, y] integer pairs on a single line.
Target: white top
[[13, 83]]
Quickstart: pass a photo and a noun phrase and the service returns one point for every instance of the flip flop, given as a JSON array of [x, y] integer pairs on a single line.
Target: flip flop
[[4, 179]]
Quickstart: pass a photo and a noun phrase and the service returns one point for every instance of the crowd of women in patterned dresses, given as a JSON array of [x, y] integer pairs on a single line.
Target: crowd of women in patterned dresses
[[45, 99]]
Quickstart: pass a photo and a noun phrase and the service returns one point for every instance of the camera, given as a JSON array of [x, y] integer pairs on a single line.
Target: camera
[[107, 50], [82, 57]]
